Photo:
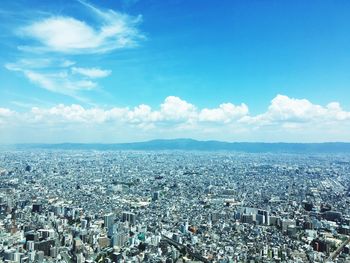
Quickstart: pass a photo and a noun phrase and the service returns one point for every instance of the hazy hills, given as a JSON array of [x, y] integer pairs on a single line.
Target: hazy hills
[[194, 145]]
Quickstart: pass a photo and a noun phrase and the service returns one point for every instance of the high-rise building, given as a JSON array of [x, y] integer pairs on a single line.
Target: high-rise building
[[265, 215], [37, 208], [155, 196], [30, 245], [108, 220], [129, 217], [118, 239]]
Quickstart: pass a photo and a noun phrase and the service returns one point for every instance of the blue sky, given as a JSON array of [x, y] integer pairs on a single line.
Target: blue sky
[[128, 70]]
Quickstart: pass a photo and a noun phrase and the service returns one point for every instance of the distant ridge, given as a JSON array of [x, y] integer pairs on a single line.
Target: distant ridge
[[195, 145]]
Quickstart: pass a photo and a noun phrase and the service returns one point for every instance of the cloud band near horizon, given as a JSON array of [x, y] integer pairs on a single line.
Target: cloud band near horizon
[[286, 119]]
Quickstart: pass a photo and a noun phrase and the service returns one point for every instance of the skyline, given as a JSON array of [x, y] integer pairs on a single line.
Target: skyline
[[124, 71]]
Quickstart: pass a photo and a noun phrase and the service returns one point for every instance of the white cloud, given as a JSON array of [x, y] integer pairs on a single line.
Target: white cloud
[[72, 114], [92, 72], [67, 63], [53, 38], [298, 111], [286, 119], [4, 112], [55, 75], [62, 34], [5, 115], [226, 113], [38, 63], [175, 108], [141, 114], [72, 36], [283, 108], [59, 82], [335, 111]]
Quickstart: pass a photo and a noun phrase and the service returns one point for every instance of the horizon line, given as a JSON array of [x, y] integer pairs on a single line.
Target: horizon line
[[176, 139]]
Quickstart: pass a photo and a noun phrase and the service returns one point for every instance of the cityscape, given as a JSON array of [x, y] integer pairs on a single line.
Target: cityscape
[[174, 131], [174, 206]]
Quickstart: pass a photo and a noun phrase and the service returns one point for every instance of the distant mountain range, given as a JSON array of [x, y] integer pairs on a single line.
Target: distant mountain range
[[194, 145]]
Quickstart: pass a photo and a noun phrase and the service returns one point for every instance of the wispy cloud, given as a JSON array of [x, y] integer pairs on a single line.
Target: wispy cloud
[[59, 78], [38, 63], [69, 35], [59, 82], [92, 72], [55, 39]]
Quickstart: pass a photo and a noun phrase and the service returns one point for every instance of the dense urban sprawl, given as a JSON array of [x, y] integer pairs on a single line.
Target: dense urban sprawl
[[110, 206]]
